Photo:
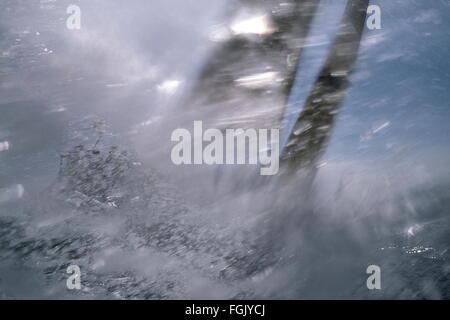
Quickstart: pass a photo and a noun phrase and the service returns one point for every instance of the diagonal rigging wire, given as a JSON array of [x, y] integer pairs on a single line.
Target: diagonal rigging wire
[[318, 107]]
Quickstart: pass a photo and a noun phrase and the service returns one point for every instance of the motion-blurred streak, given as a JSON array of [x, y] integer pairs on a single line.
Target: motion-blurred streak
[[307, 141], [247, 79]]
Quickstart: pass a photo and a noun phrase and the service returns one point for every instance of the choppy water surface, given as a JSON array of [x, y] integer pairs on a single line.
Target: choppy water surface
[[139, 227]]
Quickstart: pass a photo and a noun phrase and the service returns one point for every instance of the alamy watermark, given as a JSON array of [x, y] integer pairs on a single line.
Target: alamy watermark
[[73, 22], [229, 146], [74, 280], [373, 21], [374, 280]]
